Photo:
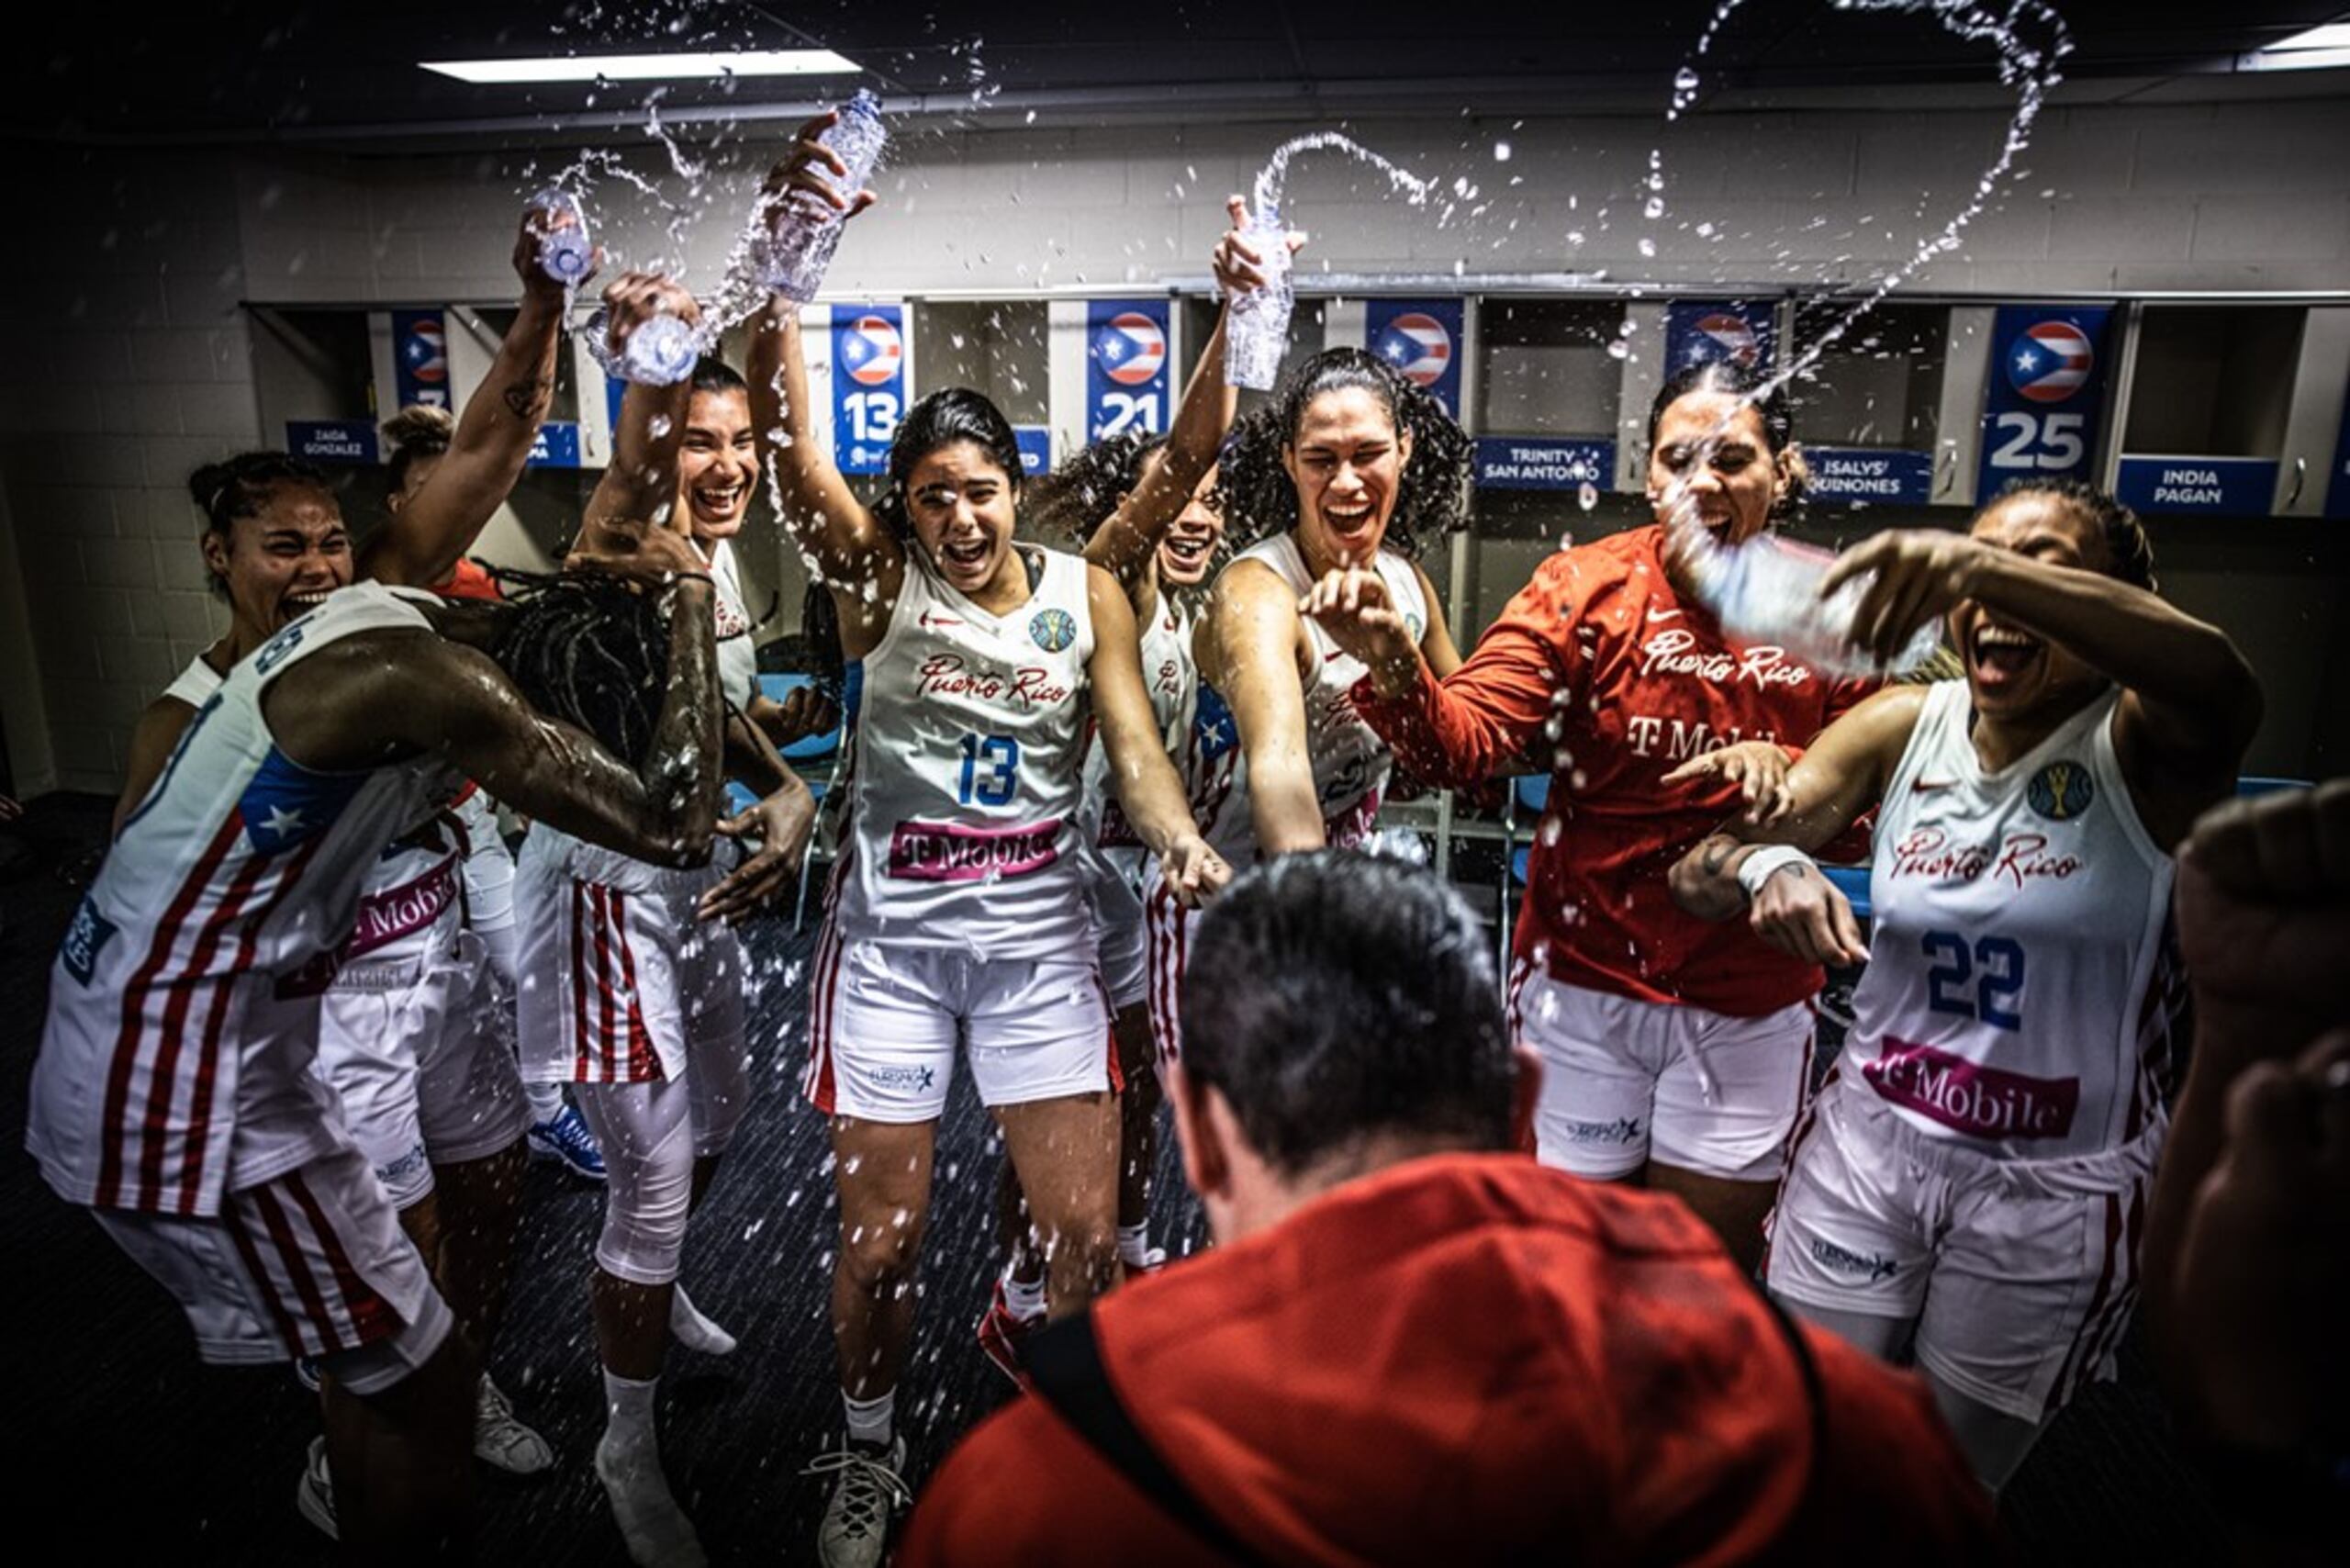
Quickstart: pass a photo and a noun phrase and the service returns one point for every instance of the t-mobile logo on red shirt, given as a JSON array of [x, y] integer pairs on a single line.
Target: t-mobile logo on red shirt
[[1683, 740], [1967, 1097]]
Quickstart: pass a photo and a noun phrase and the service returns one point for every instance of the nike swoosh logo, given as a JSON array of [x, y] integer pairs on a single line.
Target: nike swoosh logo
[[929, 619], [1663, 614]]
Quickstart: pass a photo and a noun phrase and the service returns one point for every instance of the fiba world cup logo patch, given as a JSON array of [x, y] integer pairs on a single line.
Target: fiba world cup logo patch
[[2060, 790], [1053, 629]]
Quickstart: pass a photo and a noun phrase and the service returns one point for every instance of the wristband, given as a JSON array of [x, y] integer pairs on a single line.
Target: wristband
[[676, 577], [1758, 867]]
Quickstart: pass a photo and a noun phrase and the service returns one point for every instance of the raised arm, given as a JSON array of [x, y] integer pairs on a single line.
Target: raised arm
[[1148, 786], [1737, 869], [639, 491], [426, 537], [2190, 703]]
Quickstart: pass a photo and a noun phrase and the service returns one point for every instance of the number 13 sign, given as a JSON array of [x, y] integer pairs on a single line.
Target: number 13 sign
[[2046, 391], [868, 385]]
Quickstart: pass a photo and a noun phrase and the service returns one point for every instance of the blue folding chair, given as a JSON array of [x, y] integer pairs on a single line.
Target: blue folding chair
[[1852, 882], [2248, 788]]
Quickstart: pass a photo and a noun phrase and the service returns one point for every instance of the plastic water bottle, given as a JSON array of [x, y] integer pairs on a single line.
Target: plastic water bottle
[[565, 253], [1256, 331], [804, 230], [661, 352], [1767, 591]]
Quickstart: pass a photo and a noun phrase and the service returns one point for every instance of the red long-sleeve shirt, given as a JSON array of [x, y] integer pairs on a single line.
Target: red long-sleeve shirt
[[1637, 680]]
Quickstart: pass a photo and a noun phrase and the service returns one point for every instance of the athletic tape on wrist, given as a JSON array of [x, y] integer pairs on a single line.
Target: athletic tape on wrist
[[1758, 867]]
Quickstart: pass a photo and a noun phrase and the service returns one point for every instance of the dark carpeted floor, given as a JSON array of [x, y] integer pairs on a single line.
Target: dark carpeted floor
[[122, 1441]]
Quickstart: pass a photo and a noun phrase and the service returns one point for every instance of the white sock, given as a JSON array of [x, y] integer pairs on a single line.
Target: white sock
[[1134, 1244], [545, 1101], [1024, 1297], [871, 1420], [689, 1327], [628, 1461], [628, 1412]]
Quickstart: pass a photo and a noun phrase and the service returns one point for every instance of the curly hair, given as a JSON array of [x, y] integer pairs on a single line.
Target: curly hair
[[2130, 554], [1075, 499], [590, 651], [1253, 489]]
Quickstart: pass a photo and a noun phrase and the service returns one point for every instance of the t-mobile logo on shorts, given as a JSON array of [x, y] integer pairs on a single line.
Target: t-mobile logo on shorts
[[1866, 1266], [1623, 1130], [1967, 1097]]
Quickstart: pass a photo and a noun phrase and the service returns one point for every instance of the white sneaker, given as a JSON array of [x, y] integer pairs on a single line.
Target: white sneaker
[[502, 1441], [866, 1496], [657, 1532], [315, 1494]]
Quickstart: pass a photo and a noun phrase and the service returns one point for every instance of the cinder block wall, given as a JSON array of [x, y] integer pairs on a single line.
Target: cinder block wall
[[132, 360]]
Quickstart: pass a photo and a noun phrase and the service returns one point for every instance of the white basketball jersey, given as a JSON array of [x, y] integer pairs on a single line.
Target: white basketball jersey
[[2021, 984], [738, 654], [1350, 762], [195, 683], [240, 872], [967, 788]]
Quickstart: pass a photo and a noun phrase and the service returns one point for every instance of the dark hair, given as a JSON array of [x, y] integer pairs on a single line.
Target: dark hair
[[714, 374], [1335, 995], [1253, 489], [593, 653], [1075, 499], [1750, 386], [241, 486], [418, 431], [947, 416], [2130, 554]]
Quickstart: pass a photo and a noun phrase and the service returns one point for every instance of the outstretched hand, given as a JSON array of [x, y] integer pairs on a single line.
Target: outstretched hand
[[1238, 264], [646, 554], [806, 167], [1194, 872], [1353, 604], [1758, 768], [781, 824], [1919, 574]]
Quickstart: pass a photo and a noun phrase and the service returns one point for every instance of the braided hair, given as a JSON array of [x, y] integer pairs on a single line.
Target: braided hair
[[241, 486], [1254, 491], [590, 651], [2130, 554]]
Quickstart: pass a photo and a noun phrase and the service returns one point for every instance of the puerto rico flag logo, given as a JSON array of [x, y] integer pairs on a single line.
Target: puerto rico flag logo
[[1053, 629], [2051, 361], [871, 352], [1733, 335], [425, 354], [1417, 345], [1131, 348], [2060, 790]]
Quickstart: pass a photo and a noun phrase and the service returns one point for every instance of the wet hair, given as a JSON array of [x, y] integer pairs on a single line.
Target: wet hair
[[241, 486], [1075, 499], [2128, 554], [1769, 402], [591, 652], [714, 374], [950, 415], [1333, 996], [418, 431], [1254, 491]]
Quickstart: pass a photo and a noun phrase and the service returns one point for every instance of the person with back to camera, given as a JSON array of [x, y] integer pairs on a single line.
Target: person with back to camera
[[174, 1095], [1410, 1344], [960, 919], [2247, 1255], [1971, 1182], [1680, 1053]]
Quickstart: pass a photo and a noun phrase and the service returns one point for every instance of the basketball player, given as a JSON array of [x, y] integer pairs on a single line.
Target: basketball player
[[173, 1095], [961, 903], [1972, 1181]]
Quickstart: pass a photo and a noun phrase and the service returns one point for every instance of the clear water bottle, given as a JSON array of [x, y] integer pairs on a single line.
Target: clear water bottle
[[1767, 592], [661, 352], [803, 231], [565, 253], [1256, 330]]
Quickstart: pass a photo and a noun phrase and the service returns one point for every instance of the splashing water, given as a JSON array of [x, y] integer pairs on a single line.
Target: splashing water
[[1273, 180]]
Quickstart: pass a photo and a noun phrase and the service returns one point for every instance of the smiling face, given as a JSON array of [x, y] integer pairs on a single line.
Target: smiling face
[[1346, 461], [1191, 539], [2010, 672], [1713, 455], [963, 507], [279, 563], [717, 463]]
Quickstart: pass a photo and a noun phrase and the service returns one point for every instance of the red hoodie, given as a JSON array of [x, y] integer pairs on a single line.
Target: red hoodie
[[1470, 1358], [1600, 669]]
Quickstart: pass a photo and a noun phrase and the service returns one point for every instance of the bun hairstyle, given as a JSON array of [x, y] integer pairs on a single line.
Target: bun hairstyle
[[943, 418], [1769, 403], [2128, 554], [1253, 488], [241, 486], [417, 432]]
